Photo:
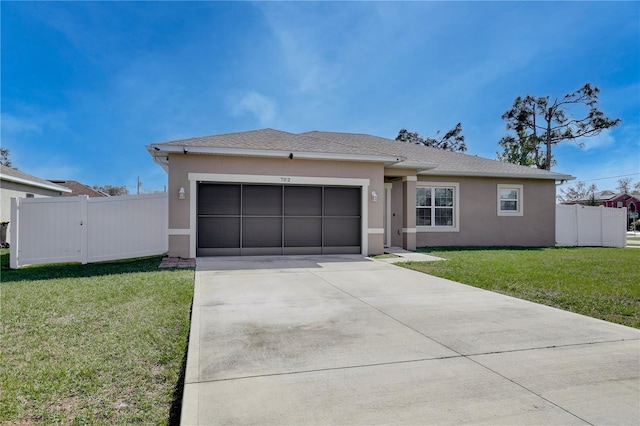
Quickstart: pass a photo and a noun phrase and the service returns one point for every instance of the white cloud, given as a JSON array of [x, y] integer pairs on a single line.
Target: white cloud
[[263, 107], [599, 141], [13, 124]]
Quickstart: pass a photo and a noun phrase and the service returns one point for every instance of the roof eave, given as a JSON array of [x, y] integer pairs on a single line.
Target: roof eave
[[52, 186], [159, 157], [158, 151], [550, 176], [418, 167]]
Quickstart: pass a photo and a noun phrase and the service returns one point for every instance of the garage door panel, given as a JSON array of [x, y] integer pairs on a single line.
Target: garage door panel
[[262, 200], [341, 231], [303, 201], [342, 201], [218, 199], [261, 232], [303, 232], [219, 232]]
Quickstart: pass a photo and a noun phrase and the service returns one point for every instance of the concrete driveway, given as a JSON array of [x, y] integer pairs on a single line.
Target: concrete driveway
[[347, 340]]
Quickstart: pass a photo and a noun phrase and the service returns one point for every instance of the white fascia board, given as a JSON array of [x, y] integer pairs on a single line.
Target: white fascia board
[[419, 167], [159, 157], [155, 150], [51, 186], [552, 176]]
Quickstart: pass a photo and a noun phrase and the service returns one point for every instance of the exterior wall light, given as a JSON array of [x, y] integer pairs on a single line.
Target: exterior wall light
[[374, 196], [181, 193]]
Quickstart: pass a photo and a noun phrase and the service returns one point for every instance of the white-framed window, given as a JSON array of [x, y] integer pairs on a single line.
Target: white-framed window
[[437, 206], [510, 200]]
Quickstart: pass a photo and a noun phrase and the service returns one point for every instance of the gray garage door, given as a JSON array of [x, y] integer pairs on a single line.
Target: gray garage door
[[249, 220]]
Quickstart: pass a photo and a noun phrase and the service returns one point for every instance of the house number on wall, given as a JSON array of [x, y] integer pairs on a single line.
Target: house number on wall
[[285, 179]]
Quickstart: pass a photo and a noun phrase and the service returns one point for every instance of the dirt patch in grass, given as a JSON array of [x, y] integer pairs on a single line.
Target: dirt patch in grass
[[384, 256]]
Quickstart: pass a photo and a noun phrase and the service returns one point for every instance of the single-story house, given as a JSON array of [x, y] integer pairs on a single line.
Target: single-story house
[[78, 188], [273, 192], [17, 184]]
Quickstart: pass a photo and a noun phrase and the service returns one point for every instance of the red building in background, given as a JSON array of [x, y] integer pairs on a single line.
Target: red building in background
[[612, 199]]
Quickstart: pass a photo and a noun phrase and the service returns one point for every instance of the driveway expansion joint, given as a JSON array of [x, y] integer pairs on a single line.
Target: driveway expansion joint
[[529, 390], [316, 370], [536, 348]]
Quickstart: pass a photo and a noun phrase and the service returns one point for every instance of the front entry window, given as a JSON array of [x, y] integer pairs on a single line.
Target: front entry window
[[436, 206]]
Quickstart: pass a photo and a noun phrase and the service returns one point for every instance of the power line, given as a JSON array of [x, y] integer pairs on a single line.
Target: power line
[[610, 177]]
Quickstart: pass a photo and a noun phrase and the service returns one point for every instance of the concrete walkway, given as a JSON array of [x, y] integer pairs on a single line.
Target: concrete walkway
[[347, 340], [406, 256]]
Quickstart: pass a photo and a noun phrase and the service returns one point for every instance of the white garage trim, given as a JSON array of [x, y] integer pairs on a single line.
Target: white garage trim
[[194, 178], [193, 208], [281, 180], [174, 231]]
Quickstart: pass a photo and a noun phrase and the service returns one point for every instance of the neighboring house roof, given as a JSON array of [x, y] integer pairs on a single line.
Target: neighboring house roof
[[78, 188], [349, 146], [606, 195], [13, 175]]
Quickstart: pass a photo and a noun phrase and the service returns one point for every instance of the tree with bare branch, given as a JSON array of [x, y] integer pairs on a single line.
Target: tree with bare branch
[[576, 192], [4, 157], [624, 185], [453, 140], [541, 123]]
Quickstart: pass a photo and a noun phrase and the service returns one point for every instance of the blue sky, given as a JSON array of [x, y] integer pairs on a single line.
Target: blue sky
[[86, 85]]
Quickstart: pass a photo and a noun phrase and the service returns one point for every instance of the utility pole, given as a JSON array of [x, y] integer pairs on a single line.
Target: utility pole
[[139, 185]]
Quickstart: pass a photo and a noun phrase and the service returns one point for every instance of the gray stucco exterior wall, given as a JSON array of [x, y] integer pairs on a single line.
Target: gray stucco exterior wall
[[480, 224]]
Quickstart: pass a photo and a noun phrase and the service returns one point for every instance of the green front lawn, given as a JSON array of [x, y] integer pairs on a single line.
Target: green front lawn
[[93, 344], [598, 282]]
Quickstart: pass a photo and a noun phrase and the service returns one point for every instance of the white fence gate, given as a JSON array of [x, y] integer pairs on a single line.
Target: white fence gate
[[83, 229], [578, 225]]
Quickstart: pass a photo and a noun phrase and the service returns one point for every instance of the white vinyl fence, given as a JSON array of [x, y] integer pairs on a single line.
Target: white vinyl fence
[[83, 229], [578, 225]]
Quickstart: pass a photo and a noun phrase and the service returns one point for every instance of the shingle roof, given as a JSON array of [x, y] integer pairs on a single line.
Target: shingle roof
[[449, 163], [272, 140], [427, 160], [14, 175], [606, 195], [78, 188]]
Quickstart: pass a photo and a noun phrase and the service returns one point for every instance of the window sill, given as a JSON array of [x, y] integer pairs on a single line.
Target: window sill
[[438, 229]]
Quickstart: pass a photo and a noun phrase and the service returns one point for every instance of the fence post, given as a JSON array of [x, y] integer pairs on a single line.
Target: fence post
[[84, 229], [15, 220], [577, 224], [625, 223], [601, 225]]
